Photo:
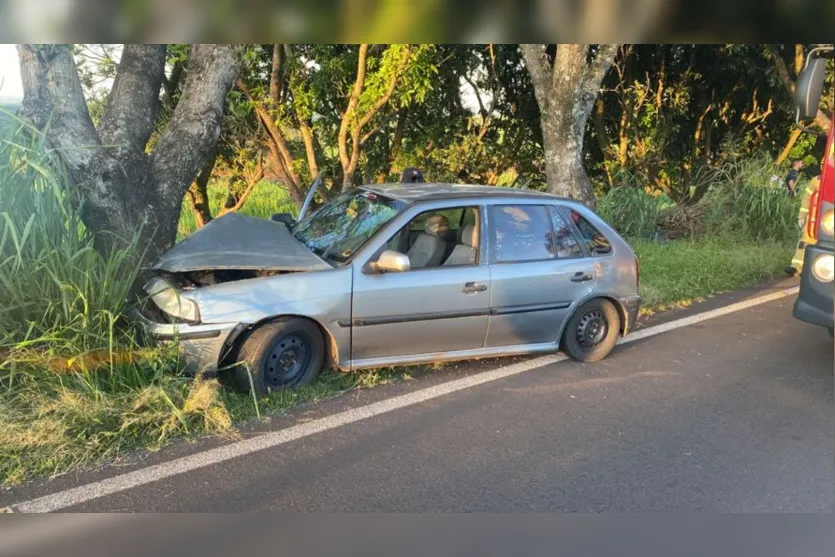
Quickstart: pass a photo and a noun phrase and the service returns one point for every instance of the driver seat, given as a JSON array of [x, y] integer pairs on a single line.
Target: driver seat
[[429, 246]]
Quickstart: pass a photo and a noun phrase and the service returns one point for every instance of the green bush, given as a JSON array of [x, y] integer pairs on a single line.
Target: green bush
[[745, 202], [633, 212], [742, 201]]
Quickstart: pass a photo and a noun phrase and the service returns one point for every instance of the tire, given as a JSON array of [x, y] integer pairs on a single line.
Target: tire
[[296, 344], [592, 331], [831, 332]]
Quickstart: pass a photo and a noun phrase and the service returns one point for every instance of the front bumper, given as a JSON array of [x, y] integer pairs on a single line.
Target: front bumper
[[814, 303], [631, 306], [201, 346]]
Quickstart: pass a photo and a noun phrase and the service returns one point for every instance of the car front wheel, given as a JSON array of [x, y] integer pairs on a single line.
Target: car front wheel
[[279, 355], [592, 331]]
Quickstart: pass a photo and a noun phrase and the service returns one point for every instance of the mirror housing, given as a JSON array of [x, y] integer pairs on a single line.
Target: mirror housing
[[807, 93], [285, 218], [391, 261]]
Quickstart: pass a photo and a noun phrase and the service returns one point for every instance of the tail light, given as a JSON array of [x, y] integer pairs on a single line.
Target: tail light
[[812, 219]]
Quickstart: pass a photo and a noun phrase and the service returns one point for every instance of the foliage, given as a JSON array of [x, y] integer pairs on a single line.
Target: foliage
[[669, 116], [75, 385], [633, 212], [745, 202], [667, 112], [742, 199]]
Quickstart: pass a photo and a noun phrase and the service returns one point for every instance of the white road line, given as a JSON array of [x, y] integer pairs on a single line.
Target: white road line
[[129, 480]]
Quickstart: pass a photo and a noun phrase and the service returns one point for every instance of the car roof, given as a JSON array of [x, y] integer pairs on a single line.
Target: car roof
[[411, 193]]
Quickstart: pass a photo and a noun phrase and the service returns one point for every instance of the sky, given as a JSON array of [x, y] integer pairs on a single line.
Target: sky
[[11, 88]]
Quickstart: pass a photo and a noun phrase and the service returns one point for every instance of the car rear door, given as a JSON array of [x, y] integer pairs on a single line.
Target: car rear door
[[537, 272]]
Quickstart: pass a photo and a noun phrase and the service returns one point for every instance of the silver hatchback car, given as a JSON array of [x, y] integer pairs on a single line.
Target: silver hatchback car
[[394, 274]]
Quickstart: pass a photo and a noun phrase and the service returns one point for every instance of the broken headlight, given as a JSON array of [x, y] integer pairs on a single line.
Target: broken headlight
[[169, 299]]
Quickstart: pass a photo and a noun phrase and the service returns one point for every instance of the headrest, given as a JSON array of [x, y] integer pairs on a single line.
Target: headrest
[[437, 225], [468, 235]]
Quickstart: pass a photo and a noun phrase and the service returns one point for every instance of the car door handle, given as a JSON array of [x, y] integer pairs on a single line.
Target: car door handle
[[581, 277], [472, 287]]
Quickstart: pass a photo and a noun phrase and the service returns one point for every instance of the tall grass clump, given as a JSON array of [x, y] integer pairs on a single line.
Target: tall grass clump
[[632, 211], [75, 386], [746, 203]]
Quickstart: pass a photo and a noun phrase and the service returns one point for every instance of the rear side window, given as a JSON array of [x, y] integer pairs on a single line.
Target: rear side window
[[564, 242], [520, 233], [596, 242]]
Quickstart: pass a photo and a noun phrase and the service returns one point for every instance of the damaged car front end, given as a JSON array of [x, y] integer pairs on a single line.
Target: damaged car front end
[[230, 249], [241, 273]]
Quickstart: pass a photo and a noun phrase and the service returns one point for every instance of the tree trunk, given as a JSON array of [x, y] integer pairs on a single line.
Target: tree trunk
[[128, 193], [565, 93], [198, 194]]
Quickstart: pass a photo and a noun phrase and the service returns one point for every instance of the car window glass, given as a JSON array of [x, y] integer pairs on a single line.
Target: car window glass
[[430, 241], [596, 242], [563, 241], [520, 233], [453, 217]]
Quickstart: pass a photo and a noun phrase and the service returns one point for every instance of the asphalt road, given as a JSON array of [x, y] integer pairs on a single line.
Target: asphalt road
[[734, 414]]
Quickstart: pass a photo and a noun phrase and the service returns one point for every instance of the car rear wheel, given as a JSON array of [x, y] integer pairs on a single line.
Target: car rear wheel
[[280, 355], [592, 331]]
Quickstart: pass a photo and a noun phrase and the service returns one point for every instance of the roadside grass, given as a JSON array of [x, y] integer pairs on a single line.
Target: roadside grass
[[685, 271], [78, 389]]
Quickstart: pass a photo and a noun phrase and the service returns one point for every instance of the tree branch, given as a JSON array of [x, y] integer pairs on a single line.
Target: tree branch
[[392, 84], [309, 147], [282, 149], [53, 93], [276, 73], [540, 71], [252, 178], [131, 110], [195, 125], [353, 101], [599, 66], [481, 108]]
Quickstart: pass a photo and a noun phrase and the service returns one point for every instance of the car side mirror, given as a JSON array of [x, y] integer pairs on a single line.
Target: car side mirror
[[807, 93], [285, 218], [391, 261]]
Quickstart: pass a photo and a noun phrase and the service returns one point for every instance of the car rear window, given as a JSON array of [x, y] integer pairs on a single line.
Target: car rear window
[[595, 241], [521, 233]]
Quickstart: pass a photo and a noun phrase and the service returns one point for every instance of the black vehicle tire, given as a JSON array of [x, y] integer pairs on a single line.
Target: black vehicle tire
[[592, 331], [279, 355], [831, 332]]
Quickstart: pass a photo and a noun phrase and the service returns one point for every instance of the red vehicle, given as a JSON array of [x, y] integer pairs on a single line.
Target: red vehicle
[[817, 285]]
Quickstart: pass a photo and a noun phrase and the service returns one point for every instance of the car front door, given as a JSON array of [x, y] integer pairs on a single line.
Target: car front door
[[537, 272], [441, 307]]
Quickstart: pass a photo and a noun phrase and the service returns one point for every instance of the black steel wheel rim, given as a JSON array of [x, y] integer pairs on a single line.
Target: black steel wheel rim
[[287, 359], [592, 328]]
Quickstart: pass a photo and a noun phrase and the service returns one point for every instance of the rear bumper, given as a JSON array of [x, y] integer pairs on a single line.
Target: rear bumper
[[631, 306], [200, 346], [815, 300]]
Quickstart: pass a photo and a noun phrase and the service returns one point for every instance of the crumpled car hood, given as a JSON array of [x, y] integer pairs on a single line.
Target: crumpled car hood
[[236, 241]]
